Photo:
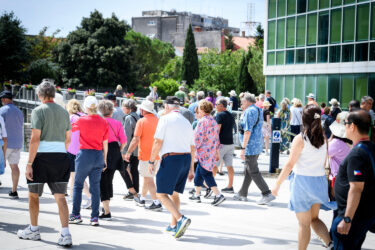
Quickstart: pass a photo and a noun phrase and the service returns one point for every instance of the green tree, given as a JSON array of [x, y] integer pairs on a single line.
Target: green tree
[[97, 55], [42, 68], [42, 46], [229, 44], [245, 81], [259, 36], [166, 87], [13, 47], [255, 68], [190, 66], [150, 55]]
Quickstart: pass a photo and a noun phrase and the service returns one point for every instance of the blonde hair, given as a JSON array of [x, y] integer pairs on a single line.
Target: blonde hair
[[73, 106], [206, 106], [119, 87]]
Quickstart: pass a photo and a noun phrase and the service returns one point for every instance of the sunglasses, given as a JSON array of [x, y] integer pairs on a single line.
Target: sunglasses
[[347, 123]]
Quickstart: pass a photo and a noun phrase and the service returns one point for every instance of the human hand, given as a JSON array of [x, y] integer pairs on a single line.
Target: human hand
[[275, 190], [343, 227], [126, 157], [191, 176], [217, 157], [29, 172]]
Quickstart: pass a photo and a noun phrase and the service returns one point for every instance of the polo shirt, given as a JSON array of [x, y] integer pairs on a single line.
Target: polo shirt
[[145, 130], [13, 119]]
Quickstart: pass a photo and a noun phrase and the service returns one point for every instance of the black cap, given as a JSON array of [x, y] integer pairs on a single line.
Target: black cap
[[110, 96], [6, 94], [172, 100]]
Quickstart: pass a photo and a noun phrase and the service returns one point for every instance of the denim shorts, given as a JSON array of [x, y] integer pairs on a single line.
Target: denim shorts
[[201, 175]]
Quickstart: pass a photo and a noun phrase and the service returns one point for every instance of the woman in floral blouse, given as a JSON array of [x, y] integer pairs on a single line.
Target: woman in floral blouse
[[207, 145]]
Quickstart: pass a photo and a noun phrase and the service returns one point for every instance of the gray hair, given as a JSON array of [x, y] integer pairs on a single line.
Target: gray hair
[[105, 107], [366, 99], [173, 105], [130, 104], [223, 102], [262, 97], [181, 88], [46, 89], [200, 95], [249, 97]]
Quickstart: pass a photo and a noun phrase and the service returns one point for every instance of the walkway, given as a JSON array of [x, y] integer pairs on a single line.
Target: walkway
[[233, 225]]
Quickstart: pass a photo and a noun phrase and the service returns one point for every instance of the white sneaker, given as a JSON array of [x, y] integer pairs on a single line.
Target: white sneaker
[[27, 234], [65, 241], [87, 205], [266, 199], [238, 197]]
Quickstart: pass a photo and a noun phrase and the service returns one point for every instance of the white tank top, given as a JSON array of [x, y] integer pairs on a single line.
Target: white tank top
[[311, 160]]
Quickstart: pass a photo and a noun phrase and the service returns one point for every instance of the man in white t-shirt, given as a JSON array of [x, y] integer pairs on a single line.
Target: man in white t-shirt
[[174, 142]]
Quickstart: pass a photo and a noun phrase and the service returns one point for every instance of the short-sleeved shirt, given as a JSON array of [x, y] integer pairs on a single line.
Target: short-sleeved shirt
[[115, 131], [187, 114], [13, 119], [118, 114], [3, 130], [74, 136], [93, 130], [145, 130], [249, 123], [337, 152], [54, 122], [357, 168], [129, 124], [226, 120], [176, 132], [234, 101], [180, 95]]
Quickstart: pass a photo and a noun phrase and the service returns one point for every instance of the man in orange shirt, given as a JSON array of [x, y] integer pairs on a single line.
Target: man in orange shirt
[[144, 137]]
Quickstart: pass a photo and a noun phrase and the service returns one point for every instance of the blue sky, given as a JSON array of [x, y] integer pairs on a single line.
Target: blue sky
[[66, 15]]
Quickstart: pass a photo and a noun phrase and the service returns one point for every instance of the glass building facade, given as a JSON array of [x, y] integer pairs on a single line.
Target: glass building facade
[[325, 47]]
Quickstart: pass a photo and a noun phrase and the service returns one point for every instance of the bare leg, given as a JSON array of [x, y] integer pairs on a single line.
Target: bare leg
[[63, 209], [266, 143], [106, 206], [221, 167], [34, 208], [214, 171], [304, 231], [150, 186], [15, 176], [172, 204], [71, 184], [198, 190], [144, 188], [230, 176], [215, 190], [318, 226]]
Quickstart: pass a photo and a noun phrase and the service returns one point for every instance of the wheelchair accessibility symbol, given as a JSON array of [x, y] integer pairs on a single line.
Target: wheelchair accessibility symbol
[[276, 136]]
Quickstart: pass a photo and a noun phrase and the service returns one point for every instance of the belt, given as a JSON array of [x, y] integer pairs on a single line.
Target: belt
[[172, 153]]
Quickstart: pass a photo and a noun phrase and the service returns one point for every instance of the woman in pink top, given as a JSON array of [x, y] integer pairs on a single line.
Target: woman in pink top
[[116, 143], [207, 144], [75, 111]]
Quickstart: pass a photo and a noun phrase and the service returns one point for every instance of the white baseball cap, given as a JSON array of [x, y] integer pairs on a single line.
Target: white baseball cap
[[90, 102]]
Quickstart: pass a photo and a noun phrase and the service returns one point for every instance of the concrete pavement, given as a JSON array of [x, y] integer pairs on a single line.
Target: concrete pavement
[[232, 225]]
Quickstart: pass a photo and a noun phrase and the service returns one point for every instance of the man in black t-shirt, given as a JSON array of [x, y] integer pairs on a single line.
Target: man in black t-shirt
[[271, 100], [355, 186], [226, 124]]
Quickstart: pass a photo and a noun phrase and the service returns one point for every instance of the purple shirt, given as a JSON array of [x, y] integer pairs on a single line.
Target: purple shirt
[[337, 152], [74, 136], [207, 141]]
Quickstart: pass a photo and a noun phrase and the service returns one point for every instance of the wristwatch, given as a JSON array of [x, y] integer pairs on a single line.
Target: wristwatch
[[347, 219], [151, 162]]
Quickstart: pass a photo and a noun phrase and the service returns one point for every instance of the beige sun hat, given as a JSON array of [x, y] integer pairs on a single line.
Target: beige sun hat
[[192, 93], [334, 102], [338, 127], [266, 104], [148, 106], [232, 93]]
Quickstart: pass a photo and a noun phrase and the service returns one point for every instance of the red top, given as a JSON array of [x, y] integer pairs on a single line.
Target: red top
[[93, 131]]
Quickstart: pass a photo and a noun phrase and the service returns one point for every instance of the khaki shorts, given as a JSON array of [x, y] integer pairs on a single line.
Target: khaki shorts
[[13, 155], [143, 168]]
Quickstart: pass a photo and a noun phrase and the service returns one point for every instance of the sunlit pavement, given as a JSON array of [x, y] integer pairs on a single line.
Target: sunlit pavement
[[232, 225]]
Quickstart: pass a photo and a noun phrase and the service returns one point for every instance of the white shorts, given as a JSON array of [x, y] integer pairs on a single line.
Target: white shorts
[[13, 155], [143, 168]]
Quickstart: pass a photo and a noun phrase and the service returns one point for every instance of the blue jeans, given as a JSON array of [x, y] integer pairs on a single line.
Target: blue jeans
[[356, 236], [89, 162]]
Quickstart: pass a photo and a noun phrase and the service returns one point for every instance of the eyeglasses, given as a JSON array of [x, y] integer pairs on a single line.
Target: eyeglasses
[[347, 123]]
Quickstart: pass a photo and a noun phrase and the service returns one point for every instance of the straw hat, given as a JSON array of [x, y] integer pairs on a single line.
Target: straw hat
[[266, 104], [338, 127], [192, 93]]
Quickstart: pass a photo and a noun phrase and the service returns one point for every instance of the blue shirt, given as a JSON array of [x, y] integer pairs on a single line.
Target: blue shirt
[[192, 108], [13, 119], [250, 117]]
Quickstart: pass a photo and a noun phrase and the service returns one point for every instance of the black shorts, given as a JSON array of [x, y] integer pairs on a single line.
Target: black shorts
[[50, 168], [72, 162]]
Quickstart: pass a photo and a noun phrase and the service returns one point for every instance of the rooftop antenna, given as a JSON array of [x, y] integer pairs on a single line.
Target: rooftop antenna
[[250, 25]]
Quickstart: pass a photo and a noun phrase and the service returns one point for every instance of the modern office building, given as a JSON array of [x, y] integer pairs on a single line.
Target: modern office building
[[325, 47]]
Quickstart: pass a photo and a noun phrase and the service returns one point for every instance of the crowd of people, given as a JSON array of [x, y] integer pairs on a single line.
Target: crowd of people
[[92, 140]]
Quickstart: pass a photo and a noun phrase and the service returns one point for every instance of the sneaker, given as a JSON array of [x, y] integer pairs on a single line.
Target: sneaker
[[181, 227], [220, 173], [27, 234], [105, 216], [266, 199], [13, 195], [170, 229], [94, 221], [192, 191], [196, 198], [228, 190], [87, 205], [65, 241], [129, 196], [154, 207], [139, 202], [208, 193], [75, 219], [330, 246], [218, 200], [238, 197]]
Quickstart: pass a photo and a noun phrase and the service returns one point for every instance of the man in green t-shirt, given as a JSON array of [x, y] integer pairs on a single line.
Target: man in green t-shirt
[[48, 160], [180, 94]]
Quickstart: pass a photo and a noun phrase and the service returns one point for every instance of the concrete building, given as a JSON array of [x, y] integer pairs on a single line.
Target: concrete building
[[171, 26], [325, 47]]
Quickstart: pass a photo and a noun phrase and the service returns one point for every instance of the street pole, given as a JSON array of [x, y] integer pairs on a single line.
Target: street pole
[[275, 144]]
